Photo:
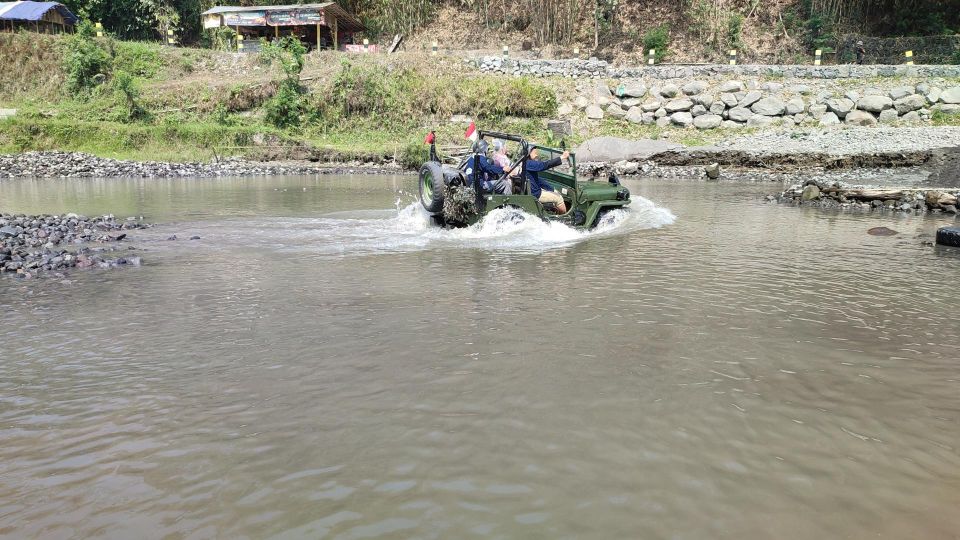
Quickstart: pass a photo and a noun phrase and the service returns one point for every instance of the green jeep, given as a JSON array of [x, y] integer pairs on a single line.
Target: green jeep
[[453, 199]]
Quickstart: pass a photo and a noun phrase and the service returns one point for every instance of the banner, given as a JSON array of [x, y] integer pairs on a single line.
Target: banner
[[245, 18], [211, 21], [295, 17]]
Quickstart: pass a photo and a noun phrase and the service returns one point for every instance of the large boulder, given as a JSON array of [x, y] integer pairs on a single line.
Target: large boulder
[[614, 149], [697, 110], [912, 117], [650, 106], [677, 105], [874, 103], [840, 106], [730, 86], [817, 110], [900, 92], [888, 116], [728, 99], [951, 95], [682, 118], [739, 114], [913, 102], [564, 109], [829, 119], [707, 121], [795, 106], [635, 115], [860, 118], [717, 108], [616, 111], [810, 193], [750, 98], [730, 124], [758, 120], [769, 106], [693, 88], [703, 99], [594, 112], [634, 89], [669, 90]]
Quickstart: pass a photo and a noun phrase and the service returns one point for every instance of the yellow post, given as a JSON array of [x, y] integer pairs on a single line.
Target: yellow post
[[651, 57], [909, 56], [318, 36], [171, 40], [366, 45], [276, 32], [336, 34], [433, 49], [817, 56], [99, 29], [733, 57]]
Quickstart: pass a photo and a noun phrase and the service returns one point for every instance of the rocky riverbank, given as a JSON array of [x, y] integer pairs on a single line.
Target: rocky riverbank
[[80, 165], [32, 246], [837, 196]]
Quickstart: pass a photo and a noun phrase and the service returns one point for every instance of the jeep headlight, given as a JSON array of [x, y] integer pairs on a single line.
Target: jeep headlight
[[623, 194]]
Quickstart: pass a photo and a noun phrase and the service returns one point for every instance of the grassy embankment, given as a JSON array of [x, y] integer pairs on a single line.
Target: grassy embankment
[[190, 104]]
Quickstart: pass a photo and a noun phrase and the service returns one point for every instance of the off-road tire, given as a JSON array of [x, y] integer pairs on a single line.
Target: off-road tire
[[948, 236], [431, 184]]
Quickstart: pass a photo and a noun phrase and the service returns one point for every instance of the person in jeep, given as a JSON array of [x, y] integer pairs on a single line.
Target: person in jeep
[[489, 171], [540, 188]]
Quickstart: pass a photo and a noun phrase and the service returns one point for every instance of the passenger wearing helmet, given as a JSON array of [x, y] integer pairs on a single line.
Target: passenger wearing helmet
[[490, 173]]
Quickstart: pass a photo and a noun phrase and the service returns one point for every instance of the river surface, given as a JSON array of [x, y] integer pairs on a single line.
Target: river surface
[[322, 364]]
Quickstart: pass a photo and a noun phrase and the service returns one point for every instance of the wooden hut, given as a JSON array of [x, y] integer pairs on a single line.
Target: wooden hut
[[319, 26], [44, 17]]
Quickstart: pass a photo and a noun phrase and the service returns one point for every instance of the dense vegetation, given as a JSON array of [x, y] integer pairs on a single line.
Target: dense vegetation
[[567, 21], [134, 99]]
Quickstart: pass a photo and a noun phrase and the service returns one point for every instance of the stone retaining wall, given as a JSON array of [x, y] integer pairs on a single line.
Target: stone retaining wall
[[735, 104], [599, 69]]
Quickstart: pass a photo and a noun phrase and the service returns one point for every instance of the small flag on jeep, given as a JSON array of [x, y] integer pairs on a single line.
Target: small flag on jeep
[[471, 132]]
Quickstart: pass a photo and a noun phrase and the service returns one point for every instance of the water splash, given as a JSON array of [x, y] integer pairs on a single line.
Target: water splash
[[409, 228]]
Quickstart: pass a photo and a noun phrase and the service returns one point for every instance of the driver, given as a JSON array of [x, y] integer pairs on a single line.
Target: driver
[[490, 172], [540, 188]]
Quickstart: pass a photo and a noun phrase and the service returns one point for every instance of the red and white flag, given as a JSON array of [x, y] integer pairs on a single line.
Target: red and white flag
[[472, 132]]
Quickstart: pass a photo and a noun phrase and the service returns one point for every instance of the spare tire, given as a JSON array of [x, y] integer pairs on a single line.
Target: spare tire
[[431, 187], [948, 236]]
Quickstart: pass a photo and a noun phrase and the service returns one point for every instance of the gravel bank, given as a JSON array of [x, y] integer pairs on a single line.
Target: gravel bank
[[843, 142], [79, 165], [38, 245]]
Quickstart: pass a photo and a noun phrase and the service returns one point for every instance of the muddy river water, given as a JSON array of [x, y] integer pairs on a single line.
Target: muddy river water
[[321, 364]]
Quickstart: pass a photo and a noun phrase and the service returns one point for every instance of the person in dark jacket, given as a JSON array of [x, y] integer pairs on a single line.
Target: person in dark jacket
[[540, 188], [861, 52], [490, 172]]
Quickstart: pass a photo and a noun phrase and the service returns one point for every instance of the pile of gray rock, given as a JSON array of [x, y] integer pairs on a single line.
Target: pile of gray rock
[[733, 104], [80, 165], [593, 68], [835, 195], [32, 245]]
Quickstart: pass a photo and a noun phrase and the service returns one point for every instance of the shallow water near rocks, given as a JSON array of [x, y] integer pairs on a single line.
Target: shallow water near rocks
[[322, 364]]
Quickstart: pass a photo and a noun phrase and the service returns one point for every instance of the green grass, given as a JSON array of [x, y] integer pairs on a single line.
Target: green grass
[[174, 141]]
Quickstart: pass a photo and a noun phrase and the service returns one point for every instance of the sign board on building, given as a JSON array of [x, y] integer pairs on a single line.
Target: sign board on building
[[295, 17], [245, 18], [211, 21]]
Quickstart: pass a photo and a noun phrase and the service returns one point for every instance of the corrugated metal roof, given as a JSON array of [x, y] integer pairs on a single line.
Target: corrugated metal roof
[[234, 9], [34, 11]]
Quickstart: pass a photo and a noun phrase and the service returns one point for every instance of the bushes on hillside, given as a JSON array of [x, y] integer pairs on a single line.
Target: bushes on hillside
[[403, 97], [87, 61]]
